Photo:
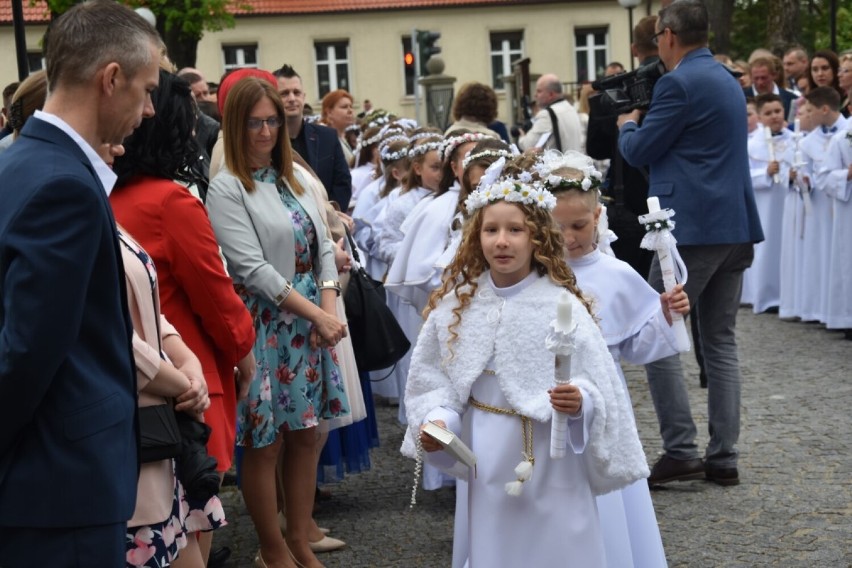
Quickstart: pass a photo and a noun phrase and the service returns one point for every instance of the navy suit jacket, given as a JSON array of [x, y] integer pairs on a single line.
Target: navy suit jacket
[[787, 98], [693, 139], [326, 158], [68, 423]]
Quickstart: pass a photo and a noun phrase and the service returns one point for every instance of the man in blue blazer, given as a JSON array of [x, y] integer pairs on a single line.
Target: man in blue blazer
[[68, 442], [693, 138], [317, 144]]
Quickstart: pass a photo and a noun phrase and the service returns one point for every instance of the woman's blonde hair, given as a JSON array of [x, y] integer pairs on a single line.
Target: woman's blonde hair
[[28, 98], [242, 98], [462, 275]]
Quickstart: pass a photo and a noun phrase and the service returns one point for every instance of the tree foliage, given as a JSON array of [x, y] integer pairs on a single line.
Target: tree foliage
[[778, 24], [181, 23]]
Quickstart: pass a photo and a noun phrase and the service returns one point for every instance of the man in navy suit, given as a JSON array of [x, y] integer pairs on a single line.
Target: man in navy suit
[[693, 140], [68, 442], [317, 144], [764, 73]]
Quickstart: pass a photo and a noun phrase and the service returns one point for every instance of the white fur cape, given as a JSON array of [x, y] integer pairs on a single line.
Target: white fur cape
[[526, 370]]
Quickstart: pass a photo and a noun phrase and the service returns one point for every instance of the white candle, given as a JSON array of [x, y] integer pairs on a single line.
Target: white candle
[[797, 126], [563, 312], [653, 204], [767, 133]]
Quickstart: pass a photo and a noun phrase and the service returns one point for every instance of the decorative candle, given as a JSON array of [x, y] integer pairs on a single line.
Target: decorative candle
[[653, 204], [770, 145], [563, 312]]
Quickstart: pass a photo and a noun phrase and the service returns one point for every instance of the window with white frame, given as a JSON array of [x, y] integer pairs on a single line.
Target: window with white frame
[[332, 66], [240, 56], [506, 47], [592, 52]]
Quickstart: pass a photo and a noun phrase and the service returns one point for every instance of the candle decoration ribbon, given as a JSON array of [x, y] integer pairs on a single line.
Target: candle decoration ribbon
[[802, 187], [770, 145], [660, 239], [560, 341]]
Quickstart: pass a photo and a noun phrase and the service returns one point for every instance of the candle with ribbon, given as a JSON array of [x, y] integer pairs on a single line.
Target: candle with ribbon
[[658, 237], [798, 163], [770, 146], [560, 341]]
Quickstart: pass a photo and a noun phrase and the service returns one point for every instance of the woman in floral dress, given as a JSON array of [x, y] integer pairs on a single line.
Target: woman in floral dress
[[282, 262]]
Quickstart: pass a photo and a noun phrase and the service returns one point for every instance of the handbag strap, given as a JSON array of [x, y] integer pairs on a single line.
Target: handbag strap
[[352, 245], [557, 139]]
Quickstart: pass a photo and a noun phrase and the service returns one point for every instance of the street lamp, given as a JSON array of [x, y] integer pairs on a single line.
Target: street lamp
[[630, 4]]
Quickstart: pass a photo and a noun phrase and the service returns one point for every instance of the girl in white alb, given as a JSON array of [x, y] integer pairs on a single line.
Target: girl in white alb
[[636, 329], [482, 369]]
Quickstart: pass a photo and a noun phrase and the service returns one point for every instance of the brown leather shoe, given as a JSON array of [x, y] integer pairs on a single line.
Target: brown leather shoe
[[725, 476], [669, 469]]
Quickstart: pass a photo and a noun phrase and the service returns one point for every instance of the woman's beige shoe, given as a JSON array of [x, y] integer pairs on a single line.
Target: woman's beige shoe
[[327, 544], [258, 561]]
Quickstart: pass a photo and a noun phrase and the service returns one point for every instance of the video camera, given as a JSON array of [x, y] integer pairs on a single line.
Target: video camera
[[625, 92]]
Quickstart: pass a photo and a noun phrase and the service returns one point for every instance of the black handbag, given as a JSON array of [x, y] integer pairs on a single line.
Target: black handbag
[[377, 338], [195, 468], [159, 433]]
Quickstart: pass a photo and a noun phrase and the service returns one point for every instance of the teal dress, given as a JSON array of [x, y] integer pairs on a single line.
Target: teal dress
[[295, 386]]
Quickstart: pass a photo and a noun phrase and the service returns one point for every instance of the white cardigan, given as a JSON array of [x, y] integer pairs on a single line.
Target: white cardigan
[[515, 335], [256, 234]]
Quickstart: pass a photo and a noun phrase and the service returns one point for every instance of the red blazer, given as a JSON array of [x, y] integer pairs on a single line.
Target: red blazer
[[196, 294]]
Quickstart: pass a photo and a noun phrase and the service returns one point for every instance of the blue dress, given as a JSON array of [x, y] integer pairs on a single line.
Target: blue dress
[[295, 386]]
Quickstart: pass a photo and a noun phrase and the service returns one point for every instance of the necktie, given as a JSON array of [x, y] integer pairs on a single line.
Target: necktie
[[827, 130]]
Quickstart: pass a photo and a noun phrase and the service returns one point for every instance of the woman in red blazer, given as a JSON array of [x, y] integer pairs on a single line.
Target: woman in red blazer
[[152, 202]]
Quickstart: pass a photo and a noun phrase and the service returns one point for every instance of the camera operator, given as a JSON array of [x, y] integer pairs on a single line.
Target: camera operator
[[556, 117], [693, 140], [602, 144]]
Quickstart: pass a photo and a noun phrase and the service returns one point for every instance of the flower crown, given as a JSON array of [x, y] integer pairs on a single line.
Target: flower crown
[[385, 152], [422, 135], [425, 148], [553, 160], [521, 189], [368, 142], [453, 142], [487, 154]]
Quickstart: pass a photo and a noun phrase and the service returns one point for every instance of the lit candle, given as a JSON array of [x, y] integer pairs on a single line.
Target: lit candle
[[563, 312]]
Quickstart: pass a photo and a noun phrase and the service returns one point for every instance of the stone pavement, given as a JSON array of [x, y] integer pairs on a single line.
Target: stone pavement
[[793, 507]]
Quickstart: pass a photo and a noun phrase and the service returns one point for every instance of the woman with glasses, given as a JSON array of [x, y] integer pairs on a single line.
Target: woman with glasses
[[282, 263]]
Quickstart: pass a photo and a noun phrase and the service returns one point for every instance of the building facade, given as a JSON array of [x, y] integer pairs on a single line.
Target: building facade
[[361, 45]]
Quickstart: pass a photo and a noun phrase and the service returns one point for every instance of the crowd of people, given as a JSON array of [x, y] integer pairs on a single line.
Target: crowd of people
[[174, 261]]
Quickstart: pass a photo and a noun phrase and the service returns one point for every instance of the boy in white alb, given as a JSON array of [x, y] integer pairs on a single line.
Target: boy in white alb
[[835, 177], [797, 211], [817, 235], [770, 159]]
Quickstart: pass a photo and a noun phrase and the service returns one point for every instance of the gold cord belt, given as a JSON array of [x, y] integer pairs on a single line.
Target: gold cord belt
[[526, 423]]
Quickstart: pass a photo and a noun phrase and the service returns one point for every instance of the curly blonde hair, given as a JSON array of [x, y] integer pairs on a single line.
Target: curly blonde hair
[[461, 276]]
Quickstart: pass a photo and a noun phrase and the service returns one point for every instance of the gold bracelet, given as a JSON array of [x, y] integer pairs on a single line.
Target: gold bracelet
[[330, 284]]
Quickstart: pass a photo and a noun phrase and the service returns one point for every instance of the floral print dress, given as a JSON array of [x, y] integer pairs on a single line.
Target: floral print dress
[[295, 386], [158, 544]]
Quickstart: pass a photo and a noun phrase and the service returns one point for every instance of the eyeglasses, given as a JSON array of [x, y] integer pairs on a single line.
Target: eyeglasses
[[656, 37], [257, 123]]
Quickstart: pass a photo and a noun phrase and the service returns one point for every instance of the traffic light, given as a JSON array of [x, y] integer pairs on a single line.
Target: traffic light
[[426, 48]]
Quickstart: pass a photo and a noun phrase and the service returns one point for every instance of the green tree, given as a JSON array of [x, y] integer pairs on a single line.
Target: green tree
[[778, 24], [181, 23]]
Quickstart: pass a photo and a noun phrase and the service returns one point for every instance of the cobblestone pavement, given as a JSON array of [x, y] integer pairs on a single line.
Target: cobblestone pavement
[[793, 507]]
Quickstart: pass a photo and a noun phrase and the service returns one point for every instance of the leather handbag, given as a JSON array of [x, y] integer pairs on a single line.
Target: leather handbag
[[377, 338], [159, 433]]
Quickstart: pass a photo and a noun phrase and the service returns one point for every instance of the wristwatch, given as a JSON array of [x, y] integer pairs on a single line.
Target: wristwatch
[[330, 284]]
